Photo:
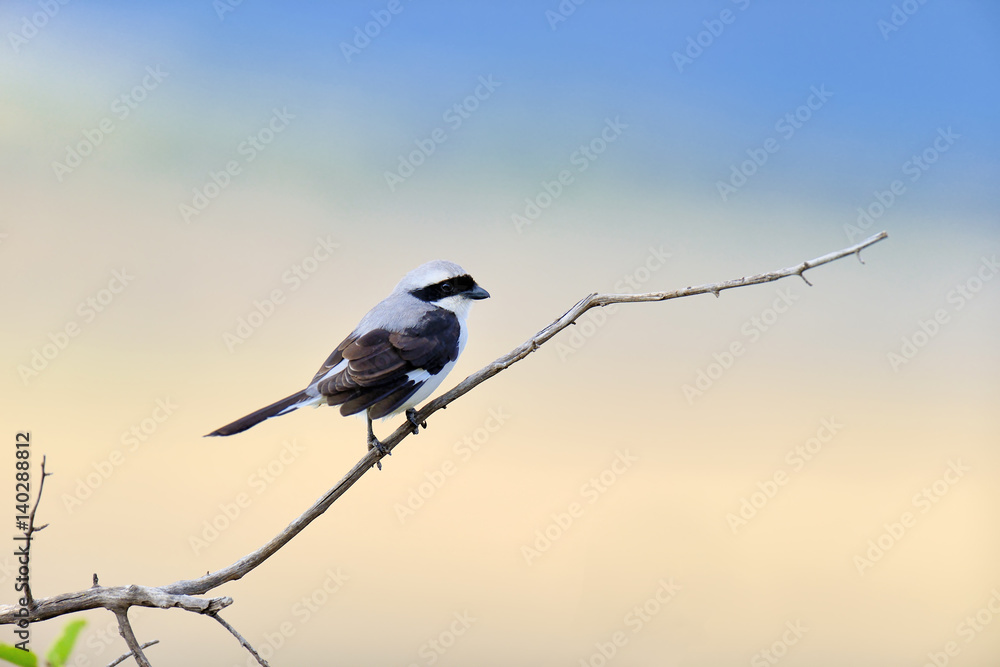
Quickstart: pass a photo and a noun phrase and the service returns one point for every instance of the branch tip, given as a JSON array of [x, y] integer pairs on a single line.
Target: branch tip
[[243, 642]]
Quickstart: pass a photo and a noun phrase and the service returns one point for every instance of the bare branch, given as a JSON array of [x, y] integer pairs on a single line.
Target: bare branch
[[181, 593], [123, 658], [601, 300], [116, 597], [243, 642], [125, 630], [32, 529]]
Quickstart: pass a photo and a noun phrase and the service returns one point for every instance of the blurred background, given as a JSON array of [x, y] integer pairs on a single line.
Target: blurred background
[[202, 199]]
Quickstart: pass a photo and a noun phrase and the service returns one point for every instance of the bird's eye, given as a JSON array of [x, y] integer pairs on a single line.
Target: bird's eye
[[446, 288]]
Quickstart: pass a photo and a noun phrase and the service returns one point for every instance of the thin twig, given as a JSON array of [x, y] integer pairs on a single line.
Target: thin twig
[[31, 517], [125, 630], [28, 534], [123, 658], [243, 642]]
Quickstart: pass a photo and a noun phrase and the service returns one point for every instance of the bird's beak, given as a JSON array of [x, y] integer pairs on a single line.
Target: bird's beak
[[477, 292]]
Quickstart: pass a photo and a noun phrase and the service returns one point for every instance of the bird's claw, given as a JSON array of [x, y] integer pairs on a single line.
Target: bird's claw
[[411, 416], [373, 443]]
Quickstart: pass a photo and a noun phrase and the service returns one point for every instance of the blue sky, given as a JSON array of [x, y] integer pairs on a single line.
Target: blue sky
[[687, 128]]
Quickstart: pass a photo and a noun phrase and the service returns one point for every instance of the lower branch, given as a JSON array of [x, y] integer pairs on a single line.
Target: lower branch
[[243, 642], [120, 659], [125, 630]]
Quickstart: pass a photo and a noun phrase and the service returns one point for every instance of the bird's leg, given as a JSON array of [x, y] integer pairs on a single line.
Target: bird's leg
[[373, 442], [411, 416]]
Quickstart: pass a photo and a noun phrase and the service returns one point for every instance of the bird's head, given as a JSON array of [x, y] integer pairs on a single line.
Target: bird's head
[[444, 284]]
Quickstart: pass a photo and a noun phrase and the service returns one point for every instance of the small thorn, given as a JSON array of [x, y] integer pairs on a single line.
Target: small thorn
[[96, 585], [801, 274], [716, 293], [858, 253]]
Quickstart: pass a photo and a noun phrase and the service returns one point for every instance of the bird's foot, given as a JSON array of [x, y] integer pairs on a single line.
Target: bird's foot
[[373, 443], [411, 416]]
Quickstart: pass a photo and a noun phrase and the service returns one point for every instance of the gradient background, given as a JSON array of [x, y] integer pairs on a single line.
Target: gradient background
[[569, 413]]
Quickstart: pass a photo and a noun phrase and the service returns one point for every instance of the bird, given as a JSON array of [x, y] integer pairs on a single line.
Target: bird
[[399, 353]]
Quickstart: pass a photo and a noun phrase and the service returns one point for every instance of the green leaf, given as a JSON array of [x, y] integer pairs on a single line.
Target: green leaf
[[59, 653], [16, 656]]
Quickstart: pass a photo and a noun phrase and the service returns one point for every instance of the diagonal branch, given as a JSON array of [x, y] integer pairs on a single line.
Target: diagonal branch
[[241, 567], [243, 642], [179, 593], [125, 630]]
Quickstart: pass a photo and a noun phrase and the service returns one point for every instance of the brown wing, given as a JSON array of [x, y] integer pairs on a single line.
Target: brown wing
[[381, 364], [335, 358]]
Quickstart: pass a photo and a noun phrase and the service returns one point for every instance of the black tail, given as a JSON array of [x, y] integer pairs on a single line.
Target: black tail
[[254, 418]]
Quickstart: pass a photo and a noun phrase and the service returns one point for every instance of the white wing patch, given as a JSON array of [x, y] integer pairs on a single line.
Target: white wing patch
[[330, 373], [430, 384]]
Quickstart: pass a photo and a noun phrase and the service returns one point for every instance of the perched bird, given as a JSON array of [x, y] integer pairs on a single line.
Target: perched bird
[[397, 355]]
